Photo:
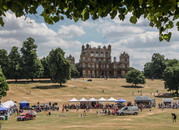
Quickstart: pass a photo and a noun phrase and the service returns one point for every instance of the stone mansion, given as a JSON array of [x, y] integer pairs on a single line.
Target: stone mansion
[[96, 63]]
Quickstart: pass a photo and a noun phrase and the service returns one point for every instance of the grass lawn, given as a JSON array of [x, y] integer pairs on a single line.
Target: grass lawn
[[78, 88]]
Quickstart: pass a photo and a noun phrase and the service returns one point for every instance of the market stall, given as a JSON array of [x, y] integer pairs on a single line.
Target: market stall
[[146, 101], [167, 102]]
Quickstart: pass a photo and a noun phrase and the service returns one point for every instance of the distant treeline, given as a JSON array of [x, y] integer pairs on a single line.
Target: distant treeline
[[26, 65]]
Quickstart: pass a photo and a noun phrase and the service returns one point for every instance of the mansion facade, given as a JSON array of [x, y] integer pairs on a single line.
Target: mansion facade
[[96, 63]]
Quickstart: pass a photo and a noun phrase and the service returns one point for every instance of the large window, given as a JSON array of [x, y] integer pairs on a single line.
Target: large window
[[106, 54], [92, 54]]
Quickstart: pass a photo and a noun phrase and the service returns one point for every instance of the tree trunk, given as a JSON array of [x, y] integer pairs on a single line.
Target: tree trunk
[[32, 79], [60, 84], [177, 91], [16, 80]]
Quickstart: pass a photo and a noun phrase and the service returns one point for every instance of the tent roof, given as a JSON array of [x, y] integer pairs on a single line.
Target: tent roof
[[83, 100], [143, 98], [102, 99], [23, 102], [111, 99], [121, 100], [7, 104], [93, 100], [167, 99], [2, 108], [73, 100]]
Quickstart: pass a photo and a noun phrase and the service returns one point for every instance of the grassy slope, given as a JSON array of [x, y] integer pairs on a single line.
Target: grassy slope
[[155, 119]]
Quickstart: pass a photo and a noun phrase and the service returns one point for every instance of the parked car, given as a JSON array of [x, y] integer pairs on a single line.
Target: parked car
[[2, 117], [89, 80], [129, 110], [25, 116]]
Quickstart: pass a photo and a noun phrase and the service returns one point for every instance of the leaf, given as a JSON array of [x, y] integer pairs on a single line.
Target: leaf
[[56, 19], [133, 19], [177, 24], [169, 36], [1, 22], [140, 2]]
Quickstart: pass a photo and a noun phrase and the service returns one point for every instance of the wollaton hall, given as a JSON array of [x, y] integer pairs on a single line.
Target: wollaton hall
[[96, 63]]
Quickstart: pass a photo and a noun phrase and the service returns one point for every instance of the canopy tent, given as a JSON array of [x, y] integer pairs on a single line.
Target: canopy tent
[[3, 109], [24, 104], [102, 100], [121, 100], [73, 100], [111, 99], [83, 100], [92, 100], [8, 104]]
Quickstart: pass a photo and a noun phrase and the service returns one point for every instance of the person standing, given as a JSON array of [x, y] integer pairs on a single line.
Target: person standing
[[174, 116]]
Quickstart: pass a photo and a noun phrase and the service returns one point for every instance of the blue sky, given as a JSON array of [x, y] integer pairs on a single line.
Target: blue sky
[[140, 41]]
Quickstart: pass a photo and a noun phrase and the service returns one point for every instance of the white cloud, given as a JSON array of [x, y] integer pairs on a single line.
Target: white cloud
[[16, 30], [70, 31]]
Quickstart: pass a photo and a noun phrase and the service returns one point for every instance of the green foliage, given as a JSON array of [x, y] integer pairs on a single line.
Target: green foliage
[[46, 73], [3, 85], [135, 77], [156, 67], [31, 65], [59, 66], [74, 71], [162, 14], [14, 63], [173, 62], [4, 62], [148, 70], [171, 77]]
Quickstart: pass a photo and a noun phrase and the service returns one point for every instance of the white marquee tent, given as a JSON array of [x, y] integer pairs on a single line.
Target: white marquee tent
[[73, 100], [92, 100], [10, 105], [102, 100], [111, 100], [83, 100]]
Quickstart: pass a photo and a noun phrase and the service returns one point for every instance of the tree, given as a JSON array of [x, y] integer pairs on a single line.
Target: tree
[[31, 65], [162, 14], [148, 70], [44, 62], [156, 67], [4, 62], [3, 84], [135, 77], [171, 78], [14, 63], [74, 71], [59, 66]]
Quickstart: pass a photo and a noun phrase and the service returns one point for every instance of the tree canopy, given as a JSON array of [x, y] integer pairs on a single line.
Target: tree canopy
[[31, 65], [156, 67], [3, 85], [162, 14], [171, 77], [135, 77], [74, 71], [14, 63], [4, 62], [59, 66]]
